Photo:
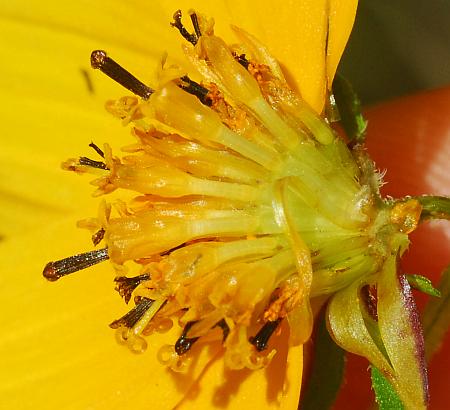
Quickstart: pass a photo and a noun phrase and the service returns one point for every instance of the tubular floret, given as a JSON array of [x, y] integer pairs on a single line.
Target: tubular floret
[[250, 205]]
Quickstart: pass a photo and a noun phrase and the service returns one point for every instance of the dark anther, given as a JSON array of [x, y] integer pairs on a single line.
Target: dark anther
[[242, 60], [192, 38], [225, 329], [91, 163], [196, 89], [98, 236], [261, 339], [55, 270], [126, 286], [194, 20], [134, 315], [97, 149], [108, 66], [184, 344]]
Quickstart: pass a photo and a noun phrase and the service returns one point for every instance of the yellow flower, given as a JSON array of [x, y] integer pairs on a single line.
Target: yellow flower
[[56, 349]]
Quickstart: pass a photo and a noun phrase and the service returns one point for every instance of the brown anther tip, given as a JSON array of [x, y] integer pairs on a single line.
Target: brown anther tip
[[50, 272], [98, 58]]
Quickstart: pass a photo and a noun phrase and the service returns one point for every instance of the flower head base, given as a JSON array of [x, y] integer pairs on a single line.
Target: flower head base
[[250, 204]]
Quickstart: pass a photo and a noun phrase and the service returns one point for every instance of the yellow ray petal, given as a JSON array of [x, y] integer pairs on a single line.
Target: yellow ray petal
[[341, 18], [57, 350], [297, 33], [50, 116], [53, 101]]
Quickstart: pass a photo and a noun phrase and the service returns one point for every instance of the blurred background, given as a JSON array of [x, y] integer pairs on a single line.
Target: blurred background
[[398, 47]]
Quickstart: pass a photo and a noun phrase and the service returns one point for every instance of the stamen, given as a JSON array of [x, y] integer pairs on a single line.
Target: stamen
[[126, 286], [91, 163], [192, 38], [184, 344], [134, 315], [241, 59], [194, 20], [196, 89], [55, 270], [261, 339], [97, 149], [108, 66], [98, 236]]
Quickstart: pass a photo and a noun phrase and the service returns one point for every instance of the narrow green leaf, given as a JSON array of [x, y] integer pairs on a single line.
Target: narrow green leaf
[[436, 317], [349, 108], [423, 284], [385, 394], [327, 372], [434, 207]]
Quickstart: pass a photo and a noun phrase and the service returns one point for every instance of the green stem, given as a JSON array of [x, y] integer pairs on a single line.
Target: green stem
[[434, 207]]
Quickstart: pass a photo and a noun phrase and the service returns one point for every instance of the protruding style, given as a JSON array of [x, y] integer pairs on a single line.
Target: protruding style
[[101, 61], [56, 270]]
